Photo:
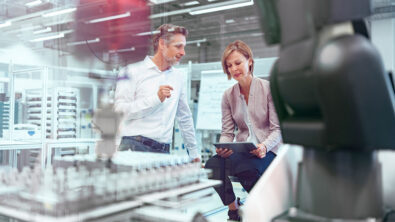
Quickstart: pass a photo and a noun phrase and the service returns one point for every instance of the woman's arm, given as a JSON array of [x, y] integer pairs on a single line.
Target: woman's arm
[[274, 137], [228, 124]]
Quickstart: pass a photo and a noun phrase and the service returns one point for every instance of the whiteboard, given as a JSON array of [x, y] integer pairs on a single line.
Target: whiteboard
[[213, 84]]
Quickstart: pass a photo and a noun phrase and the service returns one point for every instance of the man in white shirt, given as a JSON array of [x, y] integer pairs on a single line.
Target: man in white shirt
[[151, 94]]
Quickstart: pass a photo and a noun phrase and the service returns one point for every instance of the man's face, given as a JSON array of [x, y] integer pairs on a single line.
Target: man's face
[[174, 50]]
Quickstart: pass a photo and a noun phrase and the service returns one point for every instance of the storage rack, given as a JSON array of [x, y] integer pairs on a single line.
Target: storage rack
[[62, 117], [4, 116]]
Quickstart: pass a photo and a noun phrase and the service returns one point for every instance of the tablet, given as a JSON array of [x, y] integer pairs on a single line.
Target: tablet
[[237, 146]]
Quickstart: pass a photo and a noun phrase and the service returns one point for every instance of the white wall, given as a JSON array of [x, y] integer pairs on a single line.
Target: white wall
[[383, 37]]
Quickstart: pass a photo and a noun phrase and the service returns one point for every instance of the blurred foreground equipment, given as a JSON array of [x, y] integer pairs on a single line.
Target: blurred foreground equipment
[[334, 97]]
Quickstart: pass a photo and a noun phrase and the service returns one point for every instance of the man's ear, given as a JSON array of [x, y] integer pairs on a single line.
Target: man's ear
[[161, 43]]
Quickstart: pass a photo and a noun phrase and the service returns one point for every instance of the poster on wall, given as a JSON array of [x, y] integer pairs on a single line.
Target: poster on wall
[[212, 86]]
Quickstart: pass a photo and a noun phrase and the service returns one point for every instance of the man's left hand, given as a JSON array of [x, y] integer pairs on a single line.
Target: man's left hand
[[197, 159]]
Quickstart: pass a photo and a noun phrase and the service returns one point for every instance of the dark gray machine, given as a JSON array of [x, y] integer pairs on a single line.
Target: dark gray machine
[[332, 96]]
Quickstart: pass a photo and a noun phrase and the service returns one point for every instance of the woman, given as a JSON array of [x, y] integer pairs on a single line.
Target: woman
[[247, 106]]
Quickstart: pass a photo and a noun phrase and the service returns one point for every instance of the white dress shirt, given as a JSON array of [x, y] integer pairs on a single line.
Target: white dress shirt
[[252, 137], [136, 97]]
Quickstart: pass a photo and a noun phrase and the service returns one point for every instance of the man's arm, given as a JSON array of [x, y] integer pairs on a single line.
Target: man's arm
[[185, 121], [125, 101]]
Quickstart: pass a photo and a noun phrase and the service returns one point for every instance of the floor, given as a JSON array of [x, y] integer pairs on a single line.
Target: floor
[[213, 209]]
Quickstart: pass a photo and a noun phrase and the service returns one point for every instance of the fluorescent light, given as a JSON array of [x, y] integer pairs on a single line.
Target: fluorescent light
[[160, 1], [256, 34], [60, 12], [190, 3], [197, 41], [127, 14], [221, 8], [33, 3], [201, 8], [122, 50], [84, 42], [60, 35], [5, 24], [148, 33], [229, 21], [48, 29], [67, 31]]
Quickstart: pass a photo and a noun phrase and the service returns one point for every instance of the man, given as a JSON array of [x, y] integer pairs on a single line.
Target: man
[[151, 94]]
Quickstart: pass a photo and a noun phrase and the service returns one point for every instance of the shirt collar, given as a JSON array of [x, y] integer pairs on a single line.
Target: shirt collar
[[151, 65], [251, 88]]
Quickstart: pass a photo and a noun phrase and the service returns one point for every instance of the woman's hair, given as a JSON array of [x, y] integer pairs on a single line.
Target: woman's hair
[[240, 47], [166, 32]]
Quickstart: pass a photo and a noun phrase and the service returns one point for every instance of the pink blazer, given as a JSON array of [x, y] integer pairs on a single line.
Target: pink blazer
[[261, 111]]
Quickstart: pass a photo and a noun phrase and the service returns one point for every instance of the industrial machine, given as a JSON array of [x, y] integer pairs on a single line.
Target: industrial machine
[[334, 97]]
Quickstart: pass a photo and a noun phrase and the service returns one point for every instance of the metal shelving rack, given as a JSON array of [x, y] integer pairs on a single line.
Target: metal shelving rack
[[62, 119], [57, 119]]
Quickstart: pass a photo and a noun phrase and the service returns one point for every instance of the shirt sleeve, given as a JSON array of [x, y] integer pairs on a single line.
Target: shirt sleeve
[[228, 124], [125, 101], [185, 122], [274, 137]]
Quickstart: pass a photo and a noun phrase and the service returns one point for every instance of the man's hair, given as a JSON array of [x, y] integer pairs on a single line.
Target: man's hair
[[240, 47], [166, 32]]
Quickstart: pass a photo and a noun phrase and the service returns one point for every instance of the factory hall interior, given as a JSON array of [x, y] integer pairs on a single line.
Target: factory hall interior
[[197, 110]]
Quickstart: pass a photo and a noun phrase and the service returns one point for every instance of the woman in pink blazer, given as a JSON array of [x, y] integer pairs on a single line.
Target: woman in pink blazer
[[248, 109]]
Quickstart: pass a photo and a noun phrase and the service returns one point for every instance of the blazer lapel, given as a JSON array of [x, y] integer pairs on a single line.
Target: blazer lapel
[[251, 98]]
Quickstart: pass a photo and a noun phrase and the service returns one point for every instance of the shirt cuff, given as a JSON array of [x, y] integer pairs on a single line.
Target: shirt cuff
[[268, 148], [155, 100], [194, 153]]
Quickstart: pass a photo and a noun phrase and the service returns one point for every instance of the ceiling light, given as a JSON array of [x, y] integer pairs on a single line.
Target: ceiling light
[[160, 1], [127, 14], [205, 8], [256, 34], [197, 41], [84, 42], [5, 24], [60, 12], [190, 3], [67, 31], [148, 33], [229, 21], [60, 35], [27, 28], [122, 50], [221, 8], [166, 14], [33, 3], [48, 29]]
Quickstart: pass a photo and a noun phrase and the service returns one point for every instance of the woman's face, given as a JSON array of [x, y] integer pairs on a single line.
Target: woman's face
[[238, 65]]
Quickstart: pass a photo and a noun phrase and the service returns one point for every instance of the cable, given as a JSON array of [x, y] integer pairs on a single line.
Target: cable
[[90, 49]]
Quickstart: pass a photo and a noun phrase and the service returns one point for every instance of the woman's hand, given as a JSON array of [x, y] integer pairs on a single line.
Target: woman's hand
[[223, 152], [260, 151]]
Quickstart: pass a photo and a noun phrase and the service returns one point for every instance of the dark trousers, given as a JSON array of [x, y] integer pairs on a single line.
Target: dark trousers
[[245, 166], [143, 144]]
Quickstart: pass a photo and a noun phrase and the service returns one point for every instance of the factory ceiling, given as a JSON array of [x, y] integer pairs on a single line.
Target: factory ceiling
[[119, 31]]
